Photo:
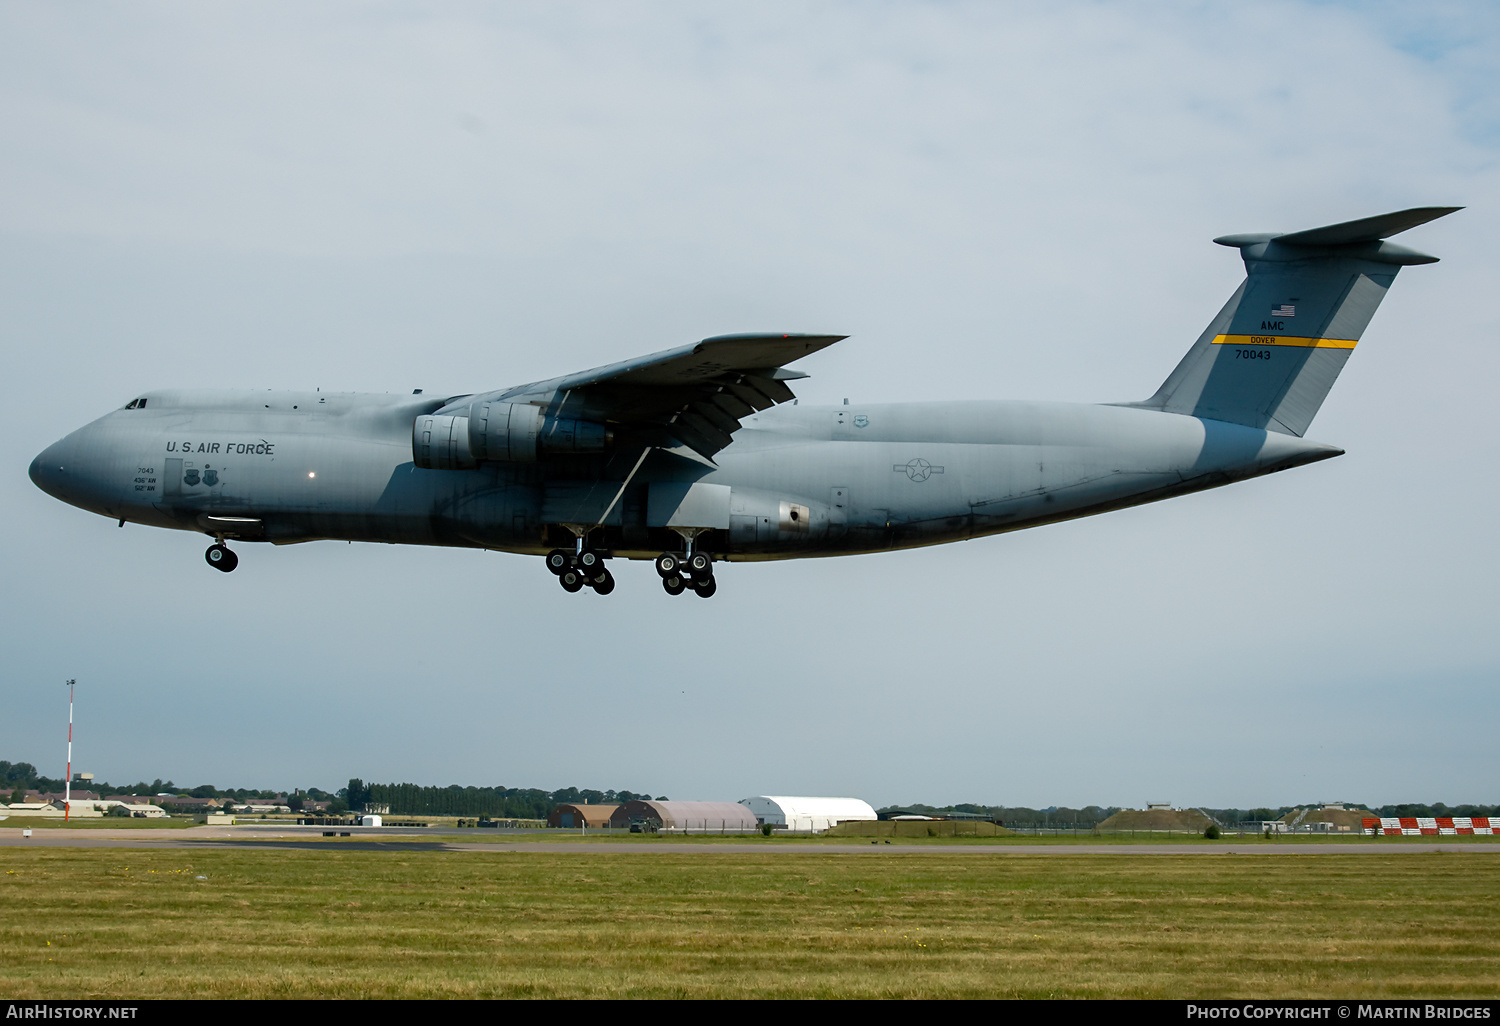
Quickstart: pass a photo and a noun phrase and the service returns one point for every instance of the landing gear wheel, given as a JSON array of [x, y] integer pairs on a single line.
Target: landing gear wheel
[[571, 580], [588, 560], [705, 587], [701, 564], [559, 560], [220, 558], [674, 584], [603, 584], [667, 564]]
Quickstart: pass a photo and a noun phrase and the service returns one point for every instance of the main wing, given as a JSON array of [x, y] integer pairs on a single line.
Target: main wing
[[694, 395]]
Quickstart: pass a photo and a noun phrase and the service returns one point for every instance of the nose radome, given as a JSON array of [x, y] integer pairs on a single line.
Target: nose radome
[[48, 470]]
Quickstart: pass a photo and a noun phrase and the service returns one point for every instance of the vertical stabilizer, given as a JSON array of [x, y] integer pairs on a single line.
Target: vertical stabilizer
[[1271, 355]]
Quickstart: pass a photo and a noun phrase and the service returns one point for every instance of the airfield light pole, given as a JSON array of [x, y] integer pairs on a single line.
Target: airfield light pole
[[68, 783]]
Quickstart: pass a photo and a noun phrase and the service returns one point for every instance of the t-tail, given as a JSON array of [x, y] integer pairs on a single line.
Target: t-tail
[[1271, 355]]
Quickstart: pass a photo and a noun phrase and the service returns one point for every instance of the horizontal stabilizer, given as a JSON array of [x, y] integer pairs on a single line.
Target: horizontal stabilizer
[[1366, 229]]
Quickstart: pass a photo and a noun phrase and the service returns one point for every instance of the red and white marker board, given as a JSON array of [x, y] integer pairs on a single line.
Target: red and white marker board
[[1434, 825]]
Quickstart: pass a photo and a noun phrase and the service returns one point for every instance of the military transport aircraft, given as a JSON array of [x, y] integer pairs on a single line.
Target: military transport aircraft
[[701, 453]]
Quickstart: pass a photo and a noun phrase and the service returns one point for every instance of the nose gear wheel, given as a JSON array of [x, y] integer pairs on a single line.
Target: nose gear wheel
[[220, 558]]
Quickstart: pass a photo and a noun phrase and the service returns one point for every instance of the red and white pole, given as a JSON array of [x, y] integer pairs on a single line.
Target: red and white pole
[[68, 784]]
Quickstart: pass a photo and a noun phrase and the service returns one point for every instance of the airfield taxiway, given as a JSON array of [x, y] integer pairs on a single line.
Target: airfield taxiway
[[397, 839]]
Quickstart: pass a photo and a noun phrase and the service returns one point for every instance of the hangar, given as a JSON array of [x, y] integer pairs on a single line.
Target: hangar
[[573, 815], [807, 814], [684, 817]]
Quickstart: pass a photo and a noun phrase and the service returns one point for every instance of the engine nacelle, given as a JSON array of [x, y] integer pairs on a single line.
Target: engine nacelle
[[441, 443], [504, 432], [501, 433]]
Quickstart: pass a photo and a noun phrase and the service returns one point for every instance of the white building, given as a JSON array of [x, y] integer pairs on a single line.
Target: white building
[[806, 814], [45, 810]]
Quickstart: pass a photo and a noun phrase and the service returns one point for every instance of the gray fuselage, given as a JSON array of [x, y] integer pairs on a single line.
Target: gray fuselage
[[798, 480]]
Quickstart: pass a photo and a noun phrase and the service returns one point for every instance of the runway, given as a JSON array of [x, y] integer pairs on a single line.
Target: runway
[[398, 840]]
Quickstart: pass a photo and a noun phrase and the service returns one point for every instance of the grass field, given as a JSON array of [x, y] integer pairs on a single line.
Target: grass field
[[280, 923]]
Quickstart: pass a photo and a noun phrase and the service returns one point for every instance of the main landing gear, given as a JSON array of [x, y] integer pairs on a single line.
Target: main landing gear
[[585, 569], [679, 573], [575, 570], [220, 558]]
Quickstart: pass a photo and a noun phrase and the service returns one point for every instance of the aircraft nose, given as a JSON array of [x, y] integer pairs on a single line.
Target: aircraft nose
[[49, 471]]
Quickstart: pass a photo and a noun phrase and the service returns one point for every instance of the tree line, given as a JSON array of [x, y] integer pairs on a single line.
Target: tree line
[[480, 802], [534, 803], [20, 777]]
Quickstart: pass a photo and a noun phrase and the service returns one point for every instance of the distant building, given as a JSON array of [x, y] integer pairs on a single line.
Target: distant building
[[57, 796], [685, 817], [574, 816], [135, 810], [262, 806], [196, 804], [81, 809], [186, 803], [807, 814], [44, 810]]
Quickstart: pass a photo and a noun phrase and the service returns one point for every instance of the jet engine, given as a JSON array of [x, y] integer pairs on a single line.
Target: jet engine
[[501, 433]]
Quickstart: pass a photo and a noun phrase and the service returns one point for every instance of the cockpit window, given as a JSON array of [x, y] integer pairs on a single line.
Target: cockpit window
[[136, 404]]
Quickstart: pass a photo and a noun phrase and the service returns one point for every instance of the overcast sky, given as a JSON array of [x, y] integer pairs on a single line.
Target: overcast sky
[[992, 200]]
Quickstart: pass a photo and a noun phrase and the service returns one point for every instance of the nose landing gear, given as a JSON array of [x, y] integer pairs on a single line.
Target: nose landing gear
[[220, 558]]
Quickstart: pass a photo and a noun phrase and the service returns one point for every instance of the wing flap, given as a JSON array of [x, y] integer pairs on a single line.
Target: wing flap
[[709, 411], [772, 389]]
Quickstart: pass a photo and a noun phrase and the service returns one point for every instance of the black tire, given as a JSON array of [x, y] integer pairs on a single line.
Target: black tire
[[604, 584], [220, 558], [706, 587], [674, 584], [701, 565], [667, 564], [588, 560], [559, 560], [572, 581]]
